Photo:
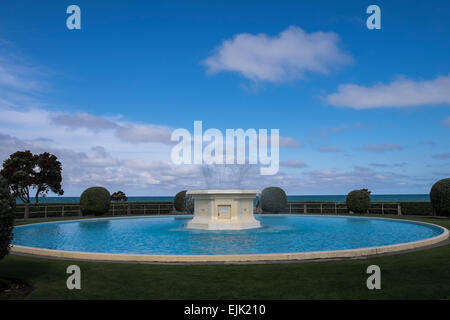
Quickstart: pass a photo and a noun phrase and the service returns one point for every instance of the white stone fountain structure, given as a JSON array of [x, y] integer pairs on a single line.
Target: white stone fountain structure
[[228, 209]]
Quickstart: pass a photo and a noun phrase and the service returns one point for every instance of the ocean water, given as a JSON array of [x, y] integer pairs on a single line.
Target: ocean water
[[373, 198], [291, 198]]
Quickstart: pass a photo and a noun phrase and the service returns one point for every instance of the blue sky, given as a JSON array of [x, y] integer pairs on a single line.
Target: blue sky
[[356, 107]]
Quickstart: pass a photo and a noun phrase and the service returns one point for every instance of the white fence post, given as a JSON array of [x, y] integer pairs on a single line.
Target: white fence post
[[399, 209]]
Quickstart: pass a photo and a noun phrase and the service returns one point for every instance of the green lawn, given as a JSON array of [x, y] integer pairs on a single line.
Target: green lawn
[[417, 275]]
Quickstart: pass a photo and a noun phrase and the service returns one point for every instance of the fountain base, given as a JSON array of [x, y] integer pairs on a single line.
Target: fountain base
[[230, 209]]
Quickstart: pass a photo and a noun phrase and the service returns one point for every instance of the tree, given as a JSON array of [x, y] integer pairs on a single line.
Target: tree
[[25, 171], [48, 176], [7, 204], [18, 170], [119, 196]]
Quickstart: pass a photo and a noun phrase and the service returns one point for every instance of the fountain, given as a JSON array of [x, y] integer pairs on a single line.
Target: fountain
[[223, 209], [230, 232]]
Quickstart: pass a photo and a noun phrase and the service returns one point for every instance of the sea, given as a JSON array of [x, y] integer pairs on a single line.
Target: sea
[[291, 198]]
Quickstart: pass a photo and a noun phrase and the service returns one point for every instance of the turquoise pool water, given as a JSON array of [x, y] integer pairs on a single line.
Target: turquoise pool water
[[168, 235]]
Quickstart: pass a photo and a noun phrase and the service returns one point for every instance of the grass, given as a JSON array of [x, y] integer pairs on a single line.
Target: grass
[[416, 275]]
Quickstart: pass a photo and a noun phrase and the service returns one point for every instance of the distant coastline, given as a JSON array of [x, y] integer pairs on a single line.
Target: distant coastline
[[291, 198]]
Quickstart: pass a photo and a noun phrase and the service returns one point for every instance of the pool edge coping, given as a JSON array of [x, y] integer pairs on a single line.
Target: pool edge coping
[[292, 256]]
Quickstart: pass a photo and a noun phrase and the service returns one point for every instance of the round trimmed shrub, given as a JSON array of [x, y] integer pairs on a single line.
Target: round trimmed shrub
[[358, 201], [189, 204], [7, 204], [95, 200], [440, 197], [178, 201], [273, 199]]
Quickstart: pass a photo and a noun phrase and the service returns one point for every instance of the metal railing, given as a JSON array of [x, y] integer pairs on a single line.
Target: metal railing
[[47, 210], [340, 208]]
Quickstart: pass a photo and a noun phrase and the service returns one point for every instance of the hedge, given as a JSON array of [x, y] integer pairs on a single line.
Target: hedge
[[417, 208]]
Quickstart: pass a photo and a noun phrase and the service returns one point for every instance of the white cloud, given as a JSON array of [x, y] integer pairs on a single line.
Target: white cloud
[[382, 147], [290, 142], [325, 132], [28, 124], [399, 93], [385, 165], [22, 117], [287, 142], [293, 164], [17, 76], [128, 132], [330, 149], [20, 81], [114, 170], [83, 120], [284, 57], [428, 143], [442, 156], [144, 133], [340, 181]]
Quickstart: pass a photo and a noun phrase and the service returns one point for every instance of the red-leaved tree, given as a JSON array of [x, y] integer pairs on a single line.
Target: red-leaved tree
[[26, 172], [119, 196]]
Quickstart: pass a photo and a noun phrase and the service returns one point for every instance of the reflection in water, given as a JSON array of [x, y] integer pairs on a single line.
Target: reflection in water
[[42, 236], [217, 243], [93, 225], [358, 220]]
